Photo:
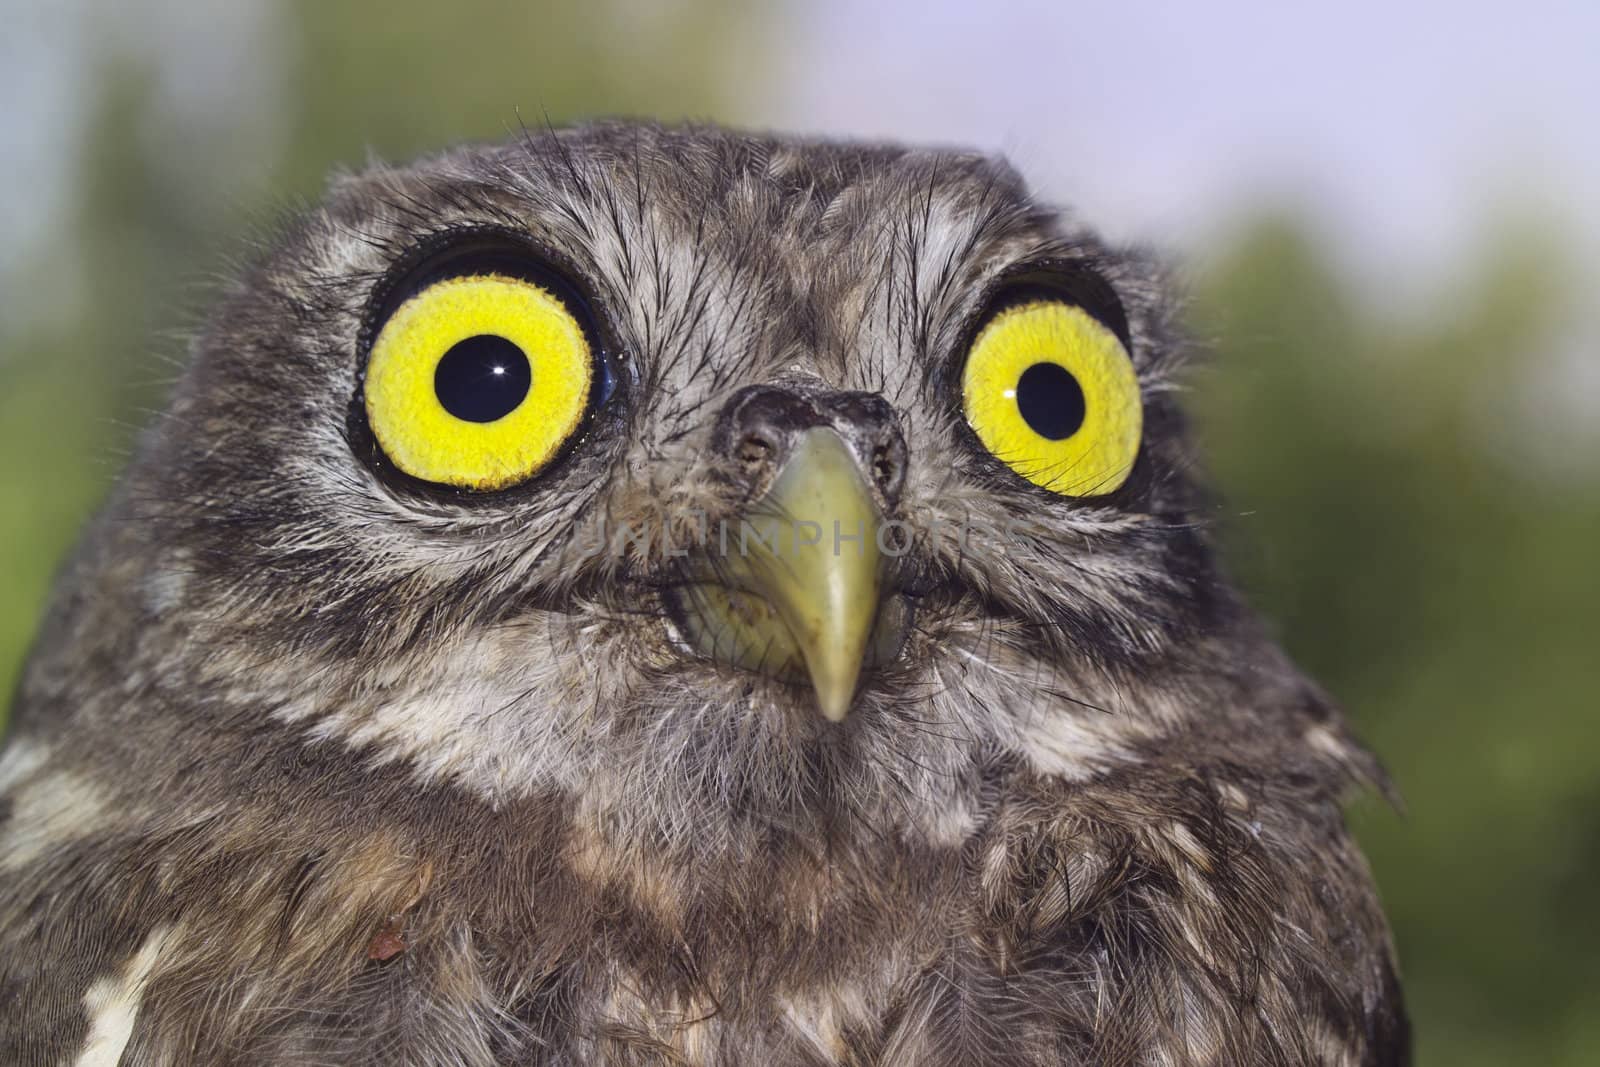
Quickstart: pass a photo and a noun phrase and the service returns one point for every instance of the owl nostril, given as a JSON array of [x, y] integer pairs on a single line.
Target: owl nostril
[[754, 452], [757, 429], [882, 467], [889, 467]]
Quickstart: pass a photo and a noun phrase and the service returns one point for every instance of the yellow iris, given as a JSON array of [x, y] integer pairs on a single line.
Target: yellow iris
[[506, 352], [1051, 392]]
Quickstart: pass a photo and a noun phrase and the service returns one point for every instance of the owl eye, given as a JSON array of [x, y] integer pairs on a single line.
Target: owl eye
[[1050, 390], [477, 381]]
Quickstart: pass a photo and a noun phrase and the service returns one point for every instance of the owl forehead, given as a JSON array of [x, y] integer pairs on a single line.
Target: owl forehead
[[855, 278], [858, 288]]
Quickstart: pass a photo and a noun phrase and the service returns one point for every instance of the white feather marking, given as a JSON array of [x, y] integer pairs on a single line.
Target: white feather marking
[[20, 760], [113, 1004], [49, 810]]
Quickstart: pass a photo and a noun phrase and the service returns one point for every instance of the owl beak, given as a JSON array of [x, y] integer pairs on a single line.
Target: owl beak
[[794, 588], [815, 560], [794, 591]]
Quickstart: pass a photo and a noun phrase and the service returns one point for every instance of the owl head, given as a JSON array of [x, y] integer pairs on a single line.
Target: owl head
[[708, 479]]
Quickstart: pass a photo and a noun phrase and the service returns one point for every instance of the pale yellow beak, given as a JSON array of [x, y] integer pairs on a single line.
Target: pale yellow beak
[[802, 578]]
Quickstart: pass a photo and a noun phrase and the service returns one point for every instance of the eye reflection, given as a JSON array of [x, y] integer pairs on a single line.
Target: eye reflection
[[482, 379]]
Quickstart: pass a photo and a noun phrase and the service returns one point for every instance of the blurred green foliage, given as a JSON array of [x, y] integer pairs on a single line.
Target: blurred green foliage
[[1433, 572]]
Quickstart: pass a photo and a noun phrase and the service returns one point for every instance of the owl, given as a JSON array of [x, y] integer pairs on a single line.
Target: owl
[[640, 595]]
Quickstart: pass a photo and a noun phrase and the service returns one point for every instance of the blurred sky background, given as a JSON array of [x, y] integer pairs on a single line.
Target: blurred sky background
[[1388, 214]]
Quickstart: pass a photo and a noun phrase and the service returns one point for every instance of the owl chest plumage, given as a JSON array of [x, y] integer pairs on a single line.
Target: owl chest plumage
[[1062, 929]]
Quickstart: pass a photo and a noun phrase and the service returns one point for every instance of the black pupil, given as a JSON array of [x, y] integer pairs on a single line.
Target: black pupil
[[1051, 400], [482, 379]]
